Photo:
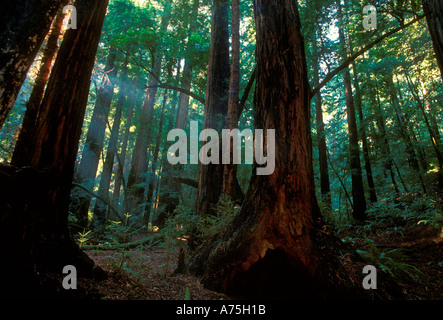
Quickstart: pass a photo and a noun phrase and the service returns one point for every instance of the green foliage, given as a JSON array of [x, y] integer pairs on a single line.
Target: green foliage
[[184, 226], [83, 237], [391, 262], [410, 208]]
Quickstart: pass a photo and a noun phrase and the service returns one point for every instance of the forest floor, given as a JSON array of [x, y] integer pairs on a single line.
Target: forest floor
[[148, 273]]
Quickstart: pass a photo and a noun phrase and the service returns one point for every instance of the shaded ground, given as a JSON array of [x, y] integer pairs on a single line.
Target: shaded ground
[[145, 274], [148, 273]]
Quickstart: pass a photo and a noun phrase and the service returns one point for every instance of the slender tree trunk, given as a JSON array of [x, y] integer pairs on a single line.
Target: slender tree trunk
[[154, 178], [412, 156], [119, 179], [139, 162], [186, 80], [325, 187], [25, 24], [23, 147], [231, 186], [368, 167], [95, 136], [358, 194], [275, 237], [216, 105], [434, 16], [38, 218], [386, 150], [105, 180]]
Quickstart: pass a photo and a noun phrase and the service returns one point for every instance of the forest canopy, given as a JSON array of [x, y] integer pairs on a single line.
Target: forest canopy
[[269, 149]]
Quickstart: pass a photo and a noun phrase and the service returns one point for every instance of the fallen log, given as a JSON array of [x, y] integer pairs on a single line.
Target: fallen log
[[129, 245]]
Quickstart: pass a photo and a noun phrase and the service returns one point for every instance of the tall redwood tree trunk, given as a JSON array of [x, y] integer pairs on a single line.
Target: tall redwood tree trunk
[[277, 246], [434, 16], [139, 162], [37, 220], [25, 24], [231, 186], [25, 141], [216, 105], [87, 169], [358, 194]]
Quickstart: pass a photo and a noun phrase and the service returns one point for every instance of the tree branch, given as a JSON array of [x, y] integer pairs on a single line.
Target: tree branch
[[246, 92], [345, 64], [189, 93], [187, 181], [100, 198]]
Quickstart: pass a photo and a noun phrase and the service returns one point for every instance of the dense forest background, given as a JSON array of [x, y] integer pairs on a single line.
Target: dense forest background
[[374, 105]]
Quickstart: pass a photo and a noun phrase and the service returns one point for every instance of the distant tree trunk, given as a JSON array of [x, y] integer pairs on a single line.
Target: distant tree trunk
[[135, 190], [25, 24], [216, 105], [186, 80], [23, 147], [153, 179], [358, 194], [368, 167], [100, 208], [231, 186], [434, 16], [119, 178], [95, 136], [274, 247], [430, 123], [412, 156], [386, 150], [38, 219], [169, 189], [325, 187]]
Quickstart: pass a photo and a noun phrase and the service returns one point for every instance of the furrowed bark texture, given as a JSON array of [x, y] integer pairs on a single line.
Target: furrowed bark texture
[[434, 16], [25, 24], [38, 218], [216, 105], [277, 246]]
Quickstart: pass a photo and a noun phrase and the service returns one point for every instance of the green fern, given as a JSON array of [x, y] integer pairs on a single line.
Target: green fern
[[391, 262]]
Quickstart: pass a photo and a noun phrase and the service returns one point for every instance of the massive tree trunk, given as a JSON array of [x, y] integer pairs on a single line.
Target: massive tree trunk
[[278, 246], [37, 219], [358, 194], [25, 141], [434, 16], [216, 105], [95, 136], [25, 24]]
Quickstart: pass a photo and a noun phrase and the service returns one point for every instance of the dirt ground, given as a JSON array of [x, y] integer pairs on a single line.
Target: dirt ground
[[148, 273]]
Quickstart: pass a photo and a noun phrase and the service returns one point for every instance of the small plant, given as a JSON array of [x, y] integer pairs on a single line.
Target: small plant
[[391, 262], [83, 237]]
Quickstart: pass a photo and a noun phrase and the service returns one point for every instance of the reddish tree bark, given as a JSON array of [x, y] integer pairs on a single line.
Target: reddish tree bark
[[25, 141], [216, 105], [434, 16], [277, 246], [25, 25], [231, 186], [39, 220]]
